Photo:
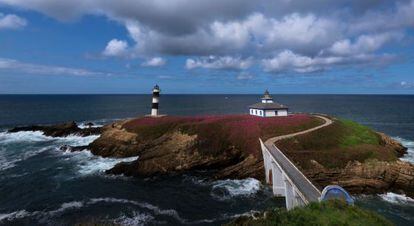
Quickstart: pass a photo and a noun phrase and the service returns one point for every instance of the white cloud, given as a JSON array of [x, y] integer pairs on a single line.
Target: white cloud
[[407, 85], [363, 44], [244, 76], [317, 35], [287, 61], [214, 62], [11, 21], [116, 47], [10, 64], [154, 62]]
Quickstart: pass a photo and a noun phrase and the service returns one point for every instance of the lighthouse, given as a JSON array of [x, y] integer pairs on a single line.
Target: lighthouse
[[155, 101], [268, 108]]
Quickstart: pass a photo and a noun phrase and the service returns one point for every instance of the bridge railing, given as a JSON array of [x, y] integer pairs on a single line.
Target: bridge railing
[[306, 189]]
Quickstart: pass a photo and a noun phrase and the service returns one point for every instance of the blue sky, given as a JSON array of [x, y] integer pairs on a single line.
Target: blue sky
[[100, 46]]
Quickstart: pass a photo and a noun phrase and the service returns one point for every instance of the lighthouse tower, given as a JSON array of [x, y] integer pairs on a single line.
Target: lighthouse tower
[[155, 101]]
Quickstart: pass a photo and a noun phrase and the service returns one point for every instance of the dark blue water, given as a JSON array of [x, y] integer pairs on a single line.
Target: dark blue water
[[41, 185]]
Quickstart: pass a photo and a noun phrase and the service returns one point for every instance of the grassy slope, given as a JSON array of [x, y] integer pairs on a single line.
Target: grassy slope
[[218, 133], [325, 213], [334, 146]]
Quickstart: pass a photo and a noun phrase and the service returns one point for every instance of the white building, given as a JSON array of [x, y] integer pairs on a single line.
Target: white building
[[268, 108]]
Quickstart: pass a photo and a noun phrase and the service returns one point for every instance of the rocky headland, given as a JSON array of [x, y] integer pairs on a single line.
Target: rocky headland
[[344, 153]]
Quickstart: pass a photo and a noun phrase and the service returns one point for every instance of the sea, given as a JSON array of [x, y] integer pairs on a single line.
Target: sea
[[42, 185]]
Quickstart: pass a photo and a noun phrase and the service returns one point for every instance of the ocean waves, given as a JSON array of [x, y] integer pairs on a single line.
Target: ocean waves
[[409, 157], [20, 146], [146, 213], [87, 163], [397, 198], [227, 189]]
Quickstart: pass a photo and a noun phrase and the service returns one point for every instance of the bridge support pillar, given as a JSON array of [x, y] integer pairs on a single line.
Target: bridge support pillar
[[278, 181], [289, 195]]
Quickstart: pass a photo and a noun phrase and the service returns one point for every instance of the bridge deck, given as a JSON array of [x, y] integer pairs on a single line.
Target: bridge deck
[[308, 190]]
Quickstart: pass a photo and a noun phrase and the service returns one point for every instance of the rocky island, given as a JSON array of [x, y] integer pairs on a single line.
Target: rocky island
[[344, 153]]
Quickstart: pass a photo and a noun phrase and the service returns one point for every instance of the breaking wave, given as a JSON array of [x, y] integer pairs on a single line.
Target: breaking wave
[[136, 219], [226, 189], [409, 157], [19, 146], [92, 164], [23, 136], [44, 215], [37, 136], [397, 198]]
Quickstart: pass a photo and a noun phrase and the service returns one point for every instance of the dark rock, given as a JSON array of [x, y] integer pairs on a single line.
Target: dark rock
[[73, 148], [89, 124], [59, 130]]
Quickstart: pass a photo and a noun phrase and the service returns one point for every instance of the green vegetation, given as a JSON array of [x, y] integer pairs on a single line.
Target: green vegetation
[[358, 134], [332, 212], [336, 145]]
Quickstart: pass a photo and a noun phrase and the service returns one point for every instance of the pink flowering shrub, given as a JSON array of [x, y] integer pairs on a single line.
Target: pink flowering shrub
[[216, 134]]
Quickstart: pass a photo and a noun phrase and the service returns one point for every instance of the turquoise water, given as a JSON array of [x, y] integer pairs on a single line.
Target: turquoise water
[[41, 185]]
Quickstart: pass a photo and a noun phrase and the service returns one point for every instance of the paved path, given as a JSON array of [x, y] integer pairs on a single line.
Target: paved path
[[306, 188], [327, 123]]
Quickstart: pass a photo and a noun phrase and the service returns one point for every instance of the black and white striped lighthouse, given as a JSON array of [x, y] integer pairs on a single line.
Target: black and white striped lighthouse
[[155, 100]]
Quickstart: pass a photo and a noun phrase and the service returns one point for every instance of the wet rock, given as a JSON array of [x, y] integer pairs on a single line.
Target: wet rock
[[59, 130], [73, 148]]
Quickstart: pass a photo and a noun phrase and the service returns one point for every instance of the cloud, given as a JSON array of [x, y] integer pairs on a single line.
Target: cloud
[[287, 61], [363, 44], [244, 76], [14, 65], [222, 63], [407, 85], [115, 47], [317, 35], [11, 21], [154, 62]]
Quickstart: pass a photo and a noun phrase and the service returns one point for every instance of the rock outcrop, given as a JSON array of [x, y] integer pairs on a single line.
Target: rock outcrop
[[399, 149], [170, 153], [60, 130], [371, 177]]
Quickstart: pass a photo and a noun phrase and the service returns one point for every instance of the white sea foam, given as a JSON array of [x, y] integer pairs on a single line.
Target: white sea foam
[[74, 140], [37, 136], [409, 157], [7, 162], [397, 198], [83, 125], [233, 188], [155, 209], [9, 159], [136, 219], [23, 136], [91, 164], [14, 215]]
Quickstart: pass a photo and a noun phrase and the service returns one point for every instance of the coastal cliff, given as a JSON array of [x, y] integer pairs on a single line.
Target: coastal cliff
[[226, 145], [361, 160], [344, 153], [352, 156]]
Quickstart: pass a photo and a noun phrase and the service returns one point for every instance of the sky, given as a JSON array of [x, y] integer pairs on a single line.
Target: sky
[[207, 46]]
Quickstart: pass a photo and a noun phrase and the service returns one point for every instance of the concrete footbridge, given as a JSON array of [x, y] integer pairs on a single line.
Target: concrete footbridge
[[284, 177]]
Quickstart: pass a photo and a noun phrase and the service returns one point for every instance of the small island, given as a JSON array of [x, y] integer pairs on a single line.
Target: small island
[[227, 147], [326, 150]]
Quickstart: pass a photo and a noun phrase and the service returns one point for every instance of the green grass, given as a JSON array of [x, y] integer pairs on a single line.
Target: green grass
[[358, 134], [336, 145], [332, 212]]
